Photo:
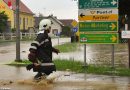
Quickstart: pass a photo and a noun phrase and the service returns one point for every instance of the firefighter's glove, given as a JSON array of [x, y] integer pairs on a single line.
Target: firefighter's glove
[[57, 51], [37, 67], [29, 67], [32, 57]]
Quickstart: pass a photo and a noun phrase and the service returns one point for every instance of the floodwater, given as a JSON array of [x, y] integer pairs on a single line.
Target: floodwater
[[8, 49], [20, 79], [11, 77], [99, 54]]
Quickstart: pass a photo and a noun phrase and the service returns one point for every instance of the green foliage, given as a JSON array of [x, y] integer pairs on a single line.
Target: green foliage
[[23, 63], [68, 64], [67, 47], [66, 31], [13, 30], [76, 66], [3, 21]]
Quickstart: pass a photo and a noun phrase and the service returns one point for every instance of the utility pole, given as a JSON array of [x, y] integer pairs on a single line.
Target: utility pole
[[85, 64], [17, 33], [127, 27]]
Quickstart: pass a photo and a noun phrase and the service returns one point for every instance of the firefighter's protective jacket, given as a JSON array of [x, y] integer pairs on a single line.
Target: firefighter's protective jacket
[[43, 48]]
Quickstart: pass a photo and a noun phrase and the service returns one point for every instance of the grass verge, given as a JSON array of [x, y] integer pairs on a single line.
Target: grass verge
[[67, 47], [77, 66]]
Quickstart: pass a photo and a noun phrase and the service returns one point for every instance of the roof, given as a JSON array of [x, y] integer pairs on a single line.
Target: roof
[[55, 19], [22, 8], [67, 22], [38, 19]]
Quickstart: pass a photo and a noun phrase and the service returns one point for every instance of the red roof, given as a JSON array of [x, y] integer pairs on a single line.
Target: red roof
[[23, 7]]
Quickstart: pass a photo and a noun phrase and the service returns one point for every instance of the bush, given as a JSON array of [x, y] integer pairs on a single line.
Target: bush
[[3, 21]]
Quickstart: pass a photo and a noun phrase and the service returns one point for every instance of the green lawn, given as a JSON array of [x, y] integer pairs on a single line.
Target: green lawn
[[77, 66], [67, 47]]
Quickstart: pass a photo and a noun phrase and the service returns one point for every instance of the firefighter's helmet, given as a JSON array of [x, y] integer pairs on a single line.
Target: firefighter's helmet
[[45, 24]]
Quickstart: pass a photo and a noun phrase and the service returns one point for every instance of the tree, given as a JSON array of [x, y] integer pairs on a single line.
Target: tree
[[3, 21], [66, 31]]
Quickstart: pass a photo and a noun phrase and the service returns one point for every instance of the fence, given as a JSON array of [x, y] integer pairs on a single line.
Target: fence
[[12, 36]]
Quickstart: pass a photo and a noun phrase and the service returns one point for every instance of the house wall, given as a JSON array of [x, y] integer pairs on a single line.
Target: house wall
[[8, 11], [26, 20], [56, 27]]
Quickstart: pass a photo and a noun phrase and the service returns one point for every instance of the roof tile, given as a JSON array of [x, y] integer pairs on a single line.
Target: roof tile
[[22, 8]]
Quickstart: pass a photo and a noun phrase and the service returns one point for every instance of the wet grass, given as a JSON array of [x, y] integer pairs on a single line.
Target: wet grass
[[67, 47], [78, 67]]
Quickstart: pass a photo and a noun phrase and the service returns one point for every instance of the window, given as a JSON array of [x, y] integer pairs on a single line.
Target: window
[[27, 21], [30, 22], [55, 31]]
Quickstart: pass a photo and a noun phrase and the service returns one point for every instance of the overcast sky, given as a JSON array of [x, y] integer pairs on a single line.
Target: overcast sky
[[63, 9]]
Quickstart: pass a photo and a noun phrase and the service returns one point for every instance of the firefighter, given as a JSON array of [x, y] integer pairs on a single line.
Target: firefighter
[[41, 51]]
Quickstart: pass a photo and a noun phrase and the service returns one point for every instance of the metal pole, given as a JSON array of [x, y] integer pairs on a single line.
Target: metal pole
[[129, 51], [85, 64], [58, 40], [17, 33], [126, 28], [113, 56]]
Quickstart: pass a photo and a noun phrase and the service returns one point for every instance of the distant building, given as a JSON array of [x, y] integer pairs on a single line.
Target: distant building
[[68, 27], [26, 15], [58, 24], [67, 22]]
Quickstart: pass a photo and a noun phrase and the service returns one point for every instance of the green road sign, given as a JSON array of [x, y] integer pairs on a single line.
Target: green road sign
[[85, 4], [111, 26], [93, 38]]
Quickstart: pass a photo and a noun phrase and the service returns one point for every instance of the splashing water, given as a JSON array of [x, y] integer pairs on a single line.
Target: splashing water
[[43, 81]]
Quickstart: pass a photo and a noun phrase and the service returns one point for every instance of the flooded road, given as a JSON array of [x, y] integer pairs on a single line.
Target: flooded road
[[8, 49], [101, 54], [72, 82], [10, 75]]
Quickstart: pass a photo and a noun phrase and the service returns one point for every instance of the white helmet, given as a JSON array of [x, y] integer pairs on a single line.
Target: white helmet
[[45, 24]]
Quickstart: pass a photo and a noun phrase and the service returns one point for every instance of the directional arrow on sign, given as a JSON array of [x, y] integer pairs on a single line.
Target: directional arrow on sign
[[113, 38], [113, 26], [113, 2], [82, 15]]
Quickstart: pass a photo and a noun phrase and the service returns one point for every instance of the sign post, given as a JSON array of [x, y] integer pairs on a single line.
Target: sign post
[[98, 22]]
